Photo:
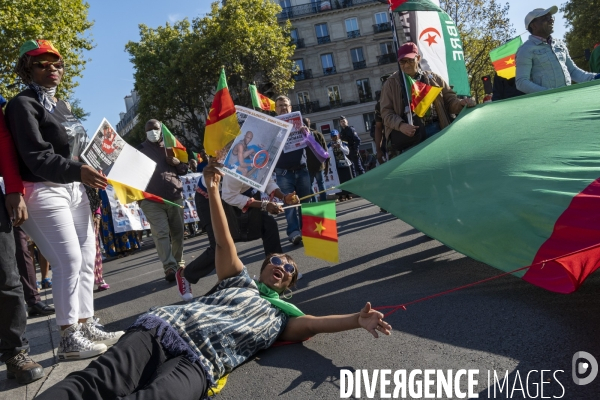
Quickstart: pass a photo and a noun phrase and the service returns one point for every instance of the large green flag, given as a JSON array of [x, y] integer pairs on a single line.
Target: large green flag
[[513, 183]]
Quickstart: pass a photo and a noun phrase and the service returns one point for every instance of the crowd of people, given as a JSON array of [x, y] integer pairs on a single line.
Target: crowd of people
[[57, 212]]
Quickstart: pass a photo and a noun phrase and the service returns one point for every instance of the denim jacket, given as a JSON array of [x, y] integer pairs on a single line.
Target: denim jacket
[[543, 66]]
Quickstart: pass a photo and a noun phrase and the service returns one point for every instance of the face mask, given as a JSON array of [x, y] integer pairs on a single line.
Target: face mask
[[153, 135]]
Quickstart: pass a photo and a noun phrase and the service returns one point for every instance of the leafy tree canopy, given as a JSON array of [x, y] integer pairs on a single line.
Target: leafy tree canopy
[[177, 66], [63, 22], [583, 17], [483, 26]]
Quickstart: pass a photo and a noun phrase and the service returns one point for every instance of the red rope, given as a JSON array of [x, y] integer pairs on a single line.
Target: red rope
[[403, 306], [542, 263]]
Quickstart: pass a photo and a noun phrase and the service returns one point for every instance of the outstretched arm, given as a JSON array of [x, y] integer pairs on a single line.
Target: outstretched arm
[[227, 261], [301, 328]]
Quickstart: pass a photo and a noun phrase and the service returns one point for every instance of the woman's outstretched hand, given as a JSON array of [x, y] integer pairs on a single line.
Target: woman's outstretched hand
[[373, 321], [212, 175]]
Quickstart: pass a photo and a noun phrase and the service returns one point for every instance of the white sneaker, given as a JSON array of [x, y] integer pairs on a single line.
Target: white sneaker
[[95, 332], [73, 345], [184, 287]]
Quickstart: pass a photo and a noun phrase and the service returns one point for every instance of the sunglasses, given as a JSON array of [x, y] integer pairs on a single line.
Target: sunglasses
[[46, 64], [289, 268], [407, 61]]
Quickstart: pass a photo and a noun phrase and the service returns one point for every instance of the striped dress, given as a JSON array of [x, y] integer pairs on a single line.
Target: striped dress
[[220, 331]]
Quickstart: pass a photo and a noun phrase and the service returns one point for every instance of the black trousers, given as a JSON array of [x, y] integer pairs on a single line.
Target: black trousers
[[26, 268], [205, 263], [134, 368], [357, 167], [12, 307]]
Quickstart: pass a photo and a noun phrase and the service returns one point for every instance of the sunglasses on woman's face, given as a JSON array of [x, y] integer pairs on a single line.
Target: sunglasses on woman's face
[[289, 268], [46, 64]]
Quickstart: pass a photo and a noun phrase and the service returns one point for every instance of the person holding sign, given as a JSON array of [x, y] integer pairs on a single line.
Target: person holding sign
[[49, 140]]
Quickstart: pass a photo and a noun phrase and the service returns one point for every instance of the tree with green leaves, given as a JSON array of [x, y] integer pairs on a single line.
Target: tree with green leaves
[[63, 22], [247, 39], [177, 66], [483, 26], [583, 17], [172, 78]]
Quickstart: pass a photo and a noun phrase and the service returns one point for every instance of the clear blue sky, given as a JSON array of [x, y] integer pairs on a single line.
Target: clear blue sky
[[108, 76]]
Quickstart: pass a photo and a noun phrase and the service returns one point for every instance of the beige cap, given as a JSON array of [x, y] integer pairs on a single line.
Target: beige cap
[[539, 12]]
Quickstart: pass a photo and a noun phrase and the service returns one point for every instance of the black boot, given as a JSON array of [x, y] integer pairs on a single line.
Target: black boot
[[23, 368]]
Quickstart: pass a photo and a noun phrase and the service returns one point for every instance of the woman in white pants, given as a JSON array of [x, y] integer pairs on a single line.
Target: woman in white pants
[[49, 140]]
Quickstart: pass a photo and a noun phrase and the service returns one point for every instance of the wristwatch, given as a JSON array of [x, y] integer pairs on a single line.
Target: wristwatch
[[263, 205]]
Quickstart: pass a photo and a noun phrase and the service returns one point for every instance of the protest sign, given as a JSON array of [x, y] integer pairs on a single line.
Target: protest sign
[[104, 148], [296, 139], [190, 183], [119, 161], [126, 217], [252, 155]]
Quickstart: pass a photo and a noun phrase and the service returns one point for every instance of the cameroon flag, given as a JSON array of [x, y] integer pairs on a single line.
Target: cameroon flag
[[127, 194], [221, 125], [319, 231], [422, 95], [197, 157], [509, 195], [504, 58], [171, 142], [260, 101]]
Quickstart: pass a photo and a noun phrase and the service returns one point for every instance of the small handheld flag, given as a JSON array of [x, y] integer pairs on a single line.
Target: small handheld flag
[[422, 95], [259, 100], [171, 141], [319, 231], [221, 125], [127, 194], [504, 58]]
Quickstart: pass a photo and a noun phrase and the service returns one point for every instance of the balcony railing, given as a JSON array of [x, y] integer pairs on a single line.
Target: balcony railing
[[365, 98], [319, 7], [335, 103], [329, 71], [386, 59], [303, 74], [299, 43], [353, 34], [307, 108], [323, 39], [382, 27], [359, 64]]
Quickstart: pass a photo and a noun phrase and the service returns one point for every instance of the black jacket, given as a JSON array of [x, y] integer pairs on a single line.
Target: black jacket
[[48, 143]]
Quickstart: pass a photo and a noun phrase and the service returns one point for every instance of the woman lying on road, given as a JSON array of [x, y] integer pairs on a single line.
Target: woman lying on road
[[177, 352]]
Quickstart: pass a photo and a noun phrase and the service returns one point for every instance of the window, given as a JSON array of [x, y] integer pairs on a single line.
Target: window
[[294, 35], [322, 33], [369, 120], [352, 30], [364, 90], [357, 54], [303, 98], [299, 64], [327, 63], [285, 4], [381, 18], [333, 92], [336, 124], [386, 48], [358, 60]]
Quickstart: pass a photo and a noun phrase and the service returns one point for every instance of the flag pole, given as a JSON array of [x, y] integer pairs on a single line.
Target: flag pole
[[407, 102]]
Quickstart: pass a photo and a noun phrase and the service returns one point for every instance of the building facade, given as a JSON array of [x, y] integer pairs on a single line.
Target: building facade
[[129, 118], [343, 47]]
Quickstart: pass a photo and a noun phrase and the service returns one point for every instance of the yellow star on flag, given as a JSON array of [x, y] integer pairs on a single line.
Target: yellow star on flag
[[319, 227], [510, 61]]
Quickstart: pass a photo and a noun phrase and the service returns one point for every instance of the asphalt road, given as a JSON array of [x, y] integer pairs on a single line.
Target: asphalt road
[[503, 325]]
